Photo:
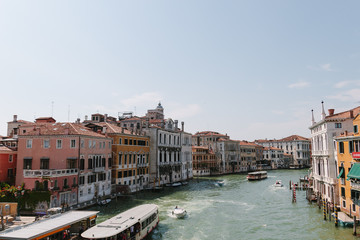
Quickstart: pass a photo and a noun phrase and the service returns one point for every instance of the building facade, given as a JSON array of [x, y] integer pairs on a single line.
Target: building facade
[[66, 158], [324, 163]]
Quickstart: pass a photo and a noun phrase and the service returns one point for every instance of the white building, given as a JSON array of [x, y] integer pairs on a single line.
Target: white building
[[297, 146], [324, 161], [186, 154], [276, 156]]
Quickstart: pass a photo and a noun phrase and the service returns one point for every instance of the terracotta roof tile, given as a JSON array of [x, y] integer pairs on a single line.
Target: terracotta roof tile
[[58, 129]]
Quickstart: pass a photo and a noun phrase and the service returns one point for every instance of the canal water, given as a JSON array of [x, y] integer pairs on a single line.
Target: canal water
[[238, 210]]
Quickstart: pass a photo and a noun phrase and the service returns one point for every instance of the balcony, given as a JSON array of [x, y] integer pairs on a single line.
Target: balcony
[[355, 185], [143, 165], [98, 169], [49, 173]]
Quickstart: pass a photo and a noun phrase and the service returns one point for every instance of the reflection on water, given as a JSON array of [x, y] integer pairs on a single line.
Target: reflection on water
[[237, 210]]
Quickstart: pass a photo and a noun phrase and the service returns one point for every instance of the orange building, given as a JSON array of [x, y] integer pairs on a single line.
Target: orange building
[[348, 162], [204, 161], [130, 167]]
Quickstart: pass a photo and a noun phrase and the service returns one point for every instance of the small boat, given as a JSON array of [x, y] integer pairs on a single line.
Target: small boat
[[257, 175], [104, 202], [179, 212], [136, 223], [278, 183], [177, 184], [220, 183], [344, 220], [184, 183]]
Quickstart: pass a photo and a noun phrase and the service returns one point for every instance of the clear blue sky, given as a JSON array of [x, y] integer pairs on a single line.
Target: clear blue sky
[[251, 69]]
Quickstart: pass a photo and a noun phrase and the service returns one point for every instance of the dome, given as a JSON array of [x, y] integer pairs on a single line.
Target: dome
[[159, 106]]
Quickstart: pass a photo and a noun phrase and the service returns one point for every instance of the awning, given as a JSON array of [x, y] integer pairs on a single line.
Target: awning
[[341, 172], [354, 172]]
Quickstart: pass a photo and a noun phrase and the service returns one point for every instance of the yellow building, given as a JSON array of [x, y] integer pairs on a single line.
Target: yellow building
[[130, 166], [348, 161]]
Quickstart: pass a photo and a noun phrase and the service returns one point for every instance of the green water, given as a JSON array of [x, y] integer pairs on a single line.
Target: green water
[[238, 210]]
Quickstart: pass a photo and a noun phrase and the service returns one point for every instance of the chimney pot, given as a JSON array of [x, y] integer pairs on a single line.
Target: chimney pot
[[15, 118], [351, 114], [331, 112]]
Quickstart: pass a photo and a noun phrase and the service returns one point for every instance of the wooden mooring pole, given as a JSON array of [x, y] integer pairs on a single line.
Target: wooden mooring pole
[[324, 209], [336, 216], [354, 229]]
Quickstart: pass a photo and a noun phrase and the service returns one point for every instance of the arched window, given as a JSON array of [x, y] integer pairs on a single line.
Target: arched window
[[46, 185], [37, 185]]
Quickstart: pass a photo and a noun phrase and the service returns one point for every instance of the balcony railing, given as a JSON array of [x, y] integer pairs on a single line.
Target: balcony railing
[[49, 173], [355, 186], [98, 169]]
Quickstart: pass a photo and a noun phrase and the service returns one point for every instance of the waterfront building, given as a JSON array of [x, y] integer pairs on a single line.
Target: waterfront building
[[66, 158], [186, 154], [275, 156], [8, 159], [297, 146], [204, 161], [165, 150], [130, 167], [348, 160], [324, 165], [248, 155]]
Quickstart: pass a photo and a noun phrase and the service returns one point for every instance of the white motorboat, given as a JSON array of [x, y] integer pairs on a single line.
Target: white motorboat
[[179, 212], [278, 183], [220, 183], [104, 202]]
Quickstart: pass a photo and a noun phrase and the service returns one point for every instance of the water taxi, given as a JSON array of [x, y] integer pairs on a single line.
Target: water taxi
[[257, 175], [220, 183], [179, 212], [278, 183], [135, 224]]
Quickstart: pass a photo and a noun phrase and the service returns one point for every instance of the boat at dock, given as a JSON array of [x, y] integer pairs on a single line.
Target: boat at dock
[[257, 175], [135, 223], [344, 220]]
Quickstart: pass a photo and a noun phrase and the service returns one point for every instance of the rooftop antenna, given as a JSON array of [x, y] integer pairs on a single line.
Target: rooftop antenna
[[135, 110], [69, 113], [52, 108]]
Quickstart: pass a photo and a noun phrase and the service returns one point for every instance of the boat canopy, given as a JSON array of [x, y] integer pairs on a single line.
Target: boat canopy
[[52, 224], [120, 222], [354, 172], [341, 173], [256, 173]]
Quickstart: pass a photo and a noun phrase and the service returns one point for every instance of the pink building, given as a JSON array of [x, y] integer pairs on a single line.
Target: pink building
[[66, 158]]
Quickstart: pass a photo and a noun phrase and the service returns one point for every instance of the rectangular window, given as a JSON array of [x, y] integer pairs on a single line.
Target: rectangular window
[[82, 143], [120, 159], [90, 143], [29, 143], [58, 143], [337, 125], [72, 143], [44, 163], [355, 128], [81, 180], [46, 143], [10, 158], [119, 175], [351, 146], [341, 147], [27, 163], [126, 141], [10, 173], [343, 192], [94, 144]]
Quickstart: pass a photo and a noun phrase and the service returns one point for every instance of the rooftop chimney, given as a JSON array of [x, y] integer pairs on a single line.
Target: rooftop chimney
[[15, 118], [351, 114], [105, 117], [86, 117], [182, 126], [78, 120], [331, 112], [176, 124], [322, 111]]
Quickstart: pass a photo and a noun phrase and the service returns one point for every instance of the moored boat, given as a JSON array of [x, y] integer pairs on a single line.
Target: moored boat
[[135, 223], [257, 175]]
